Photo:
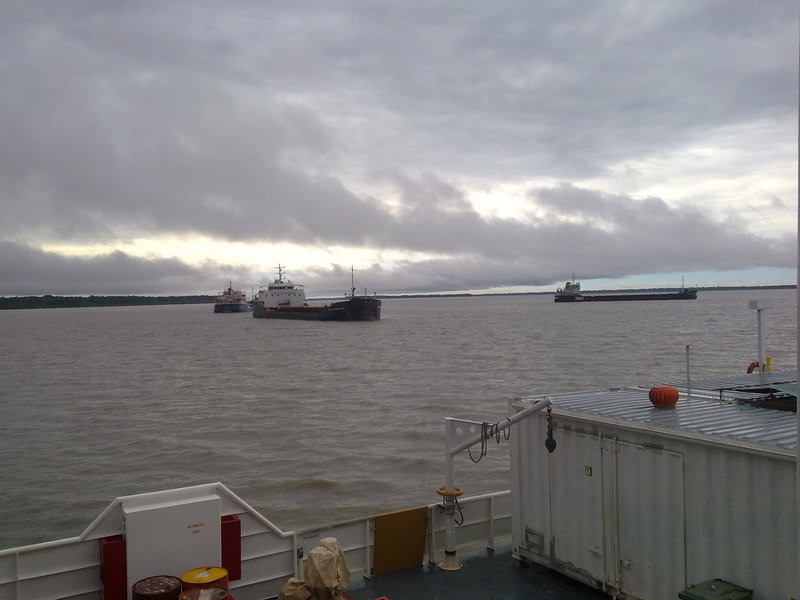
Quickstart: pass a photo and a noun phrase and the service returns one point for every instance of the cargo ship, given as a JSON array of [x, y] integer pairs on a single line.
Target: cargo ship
[[284, 299], [231, 301], [571, 292]]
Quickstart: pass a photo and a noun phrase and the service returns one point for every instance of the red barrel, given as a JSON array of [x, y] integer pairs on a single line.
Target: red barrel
[[159, 587], [205, 577]]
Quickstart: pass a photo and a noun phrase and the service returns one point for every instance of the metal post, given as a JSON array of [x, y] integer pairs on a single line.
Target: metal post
[[797, 392], [688, 375], [449, 495], [759, 306], [760, 341], [797, 389], [448, 458]]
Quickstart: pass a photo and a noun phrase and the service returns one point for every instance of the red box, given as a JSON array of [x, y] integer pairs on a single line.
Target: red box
[[231, 540], [114, 568]]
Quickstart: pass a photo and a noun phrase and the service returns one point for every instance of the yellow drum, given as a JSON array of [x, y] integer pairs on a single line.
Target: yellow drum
[[205, 577], [213, 593]]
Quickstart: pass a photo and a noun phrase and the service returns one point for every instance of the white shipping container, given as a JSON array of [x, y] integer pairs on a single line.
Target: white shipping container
[[643, 501]]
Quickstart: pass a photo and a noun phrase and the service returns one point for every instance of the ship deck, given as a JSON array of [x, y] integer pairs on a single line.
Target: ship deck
[[486, 575]]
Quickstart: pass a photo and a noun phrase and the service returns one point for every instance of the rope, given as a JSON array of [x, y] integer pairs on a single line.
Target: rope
[[489, 430]]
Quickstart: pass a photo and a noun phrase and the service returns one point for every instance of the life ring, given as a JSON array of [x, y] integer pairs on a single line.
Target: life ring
[[752, 366], [454, 493]]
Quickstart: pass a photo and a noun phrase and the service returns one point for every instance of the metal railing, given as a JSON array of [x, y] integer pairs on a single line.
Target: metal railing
[[71, 568]]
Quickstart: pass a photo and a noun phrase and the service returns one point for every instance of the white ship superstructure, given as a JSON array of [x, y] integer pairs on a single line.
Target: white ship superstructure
[[282, 292]]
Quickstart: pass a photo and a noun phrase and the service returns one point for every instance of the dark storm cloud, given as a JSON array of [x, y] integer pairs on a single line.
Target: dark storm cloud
[[649, 236], [250, 122], [608, 236], [29, 271]]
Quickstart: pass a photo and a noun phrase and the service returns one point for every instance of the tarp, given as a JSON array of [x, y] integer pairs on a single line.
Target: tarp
[[326, 575]]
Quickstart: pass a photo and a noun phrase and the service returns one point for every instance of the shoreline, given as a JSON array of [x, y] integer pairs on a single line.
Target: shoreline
[[52, 301]]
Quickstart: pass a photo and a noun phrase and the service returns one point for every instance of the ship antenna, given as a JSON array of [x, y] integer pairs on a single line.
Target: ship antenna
[[280, 274], [352, 282]]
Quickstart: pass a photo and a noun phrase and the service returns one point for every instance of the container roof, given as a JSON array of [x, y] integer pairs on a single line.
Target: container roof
[[724, 410]]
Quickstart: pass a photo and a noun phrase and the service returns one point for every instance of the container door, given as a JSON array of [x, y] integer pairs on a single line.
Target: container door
[[576, 503], [650, 521]]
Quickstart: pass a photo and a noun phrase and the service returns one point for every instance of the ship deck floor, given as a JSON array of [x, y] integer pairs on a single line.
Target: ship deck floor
[[485, 575]]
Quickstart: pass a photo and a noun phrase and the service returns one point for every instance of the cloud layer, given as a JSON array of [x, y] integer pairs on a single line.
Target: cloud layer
[[437, 145]]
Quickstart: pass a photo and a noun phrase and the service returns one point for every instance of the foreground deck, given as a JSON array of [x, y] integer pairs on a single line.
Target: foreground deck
[[486, 575]]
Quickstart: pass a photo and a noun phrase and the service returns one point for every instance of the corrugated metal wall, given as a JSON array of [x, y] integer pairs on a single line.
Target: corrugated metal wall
[[648, 513], [650, 519], [741, 520]]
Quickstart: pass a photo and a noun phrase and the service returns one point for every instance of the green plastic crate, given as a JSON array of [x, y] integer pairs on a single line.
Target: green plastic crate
[[715, 589]]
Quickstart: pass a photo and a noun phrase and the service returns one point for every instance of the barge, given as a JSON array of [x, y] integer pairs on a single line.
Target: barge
[[571, 292]]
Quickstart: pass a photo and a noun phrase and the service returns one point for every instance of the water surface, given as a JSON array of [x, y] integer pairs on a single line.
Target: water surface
[[314, 422]]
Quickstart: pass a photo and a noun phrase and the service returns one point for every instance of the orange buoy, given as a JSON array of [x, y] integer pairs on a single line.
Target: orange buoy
[[752, 367], [664, 396]]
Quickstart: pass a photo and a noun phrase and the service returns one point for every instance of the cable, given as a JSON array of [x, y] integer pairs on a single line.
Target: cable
[[489, 430], [460, 512]]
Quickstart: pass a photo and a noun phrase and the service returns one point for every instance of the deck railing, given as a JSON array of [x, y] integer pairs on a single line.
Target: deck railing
[[71, 568]]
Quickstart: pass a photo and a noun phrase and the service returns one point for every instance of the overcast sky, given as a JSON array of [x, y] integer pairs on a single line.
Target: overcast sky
[[167, 147]]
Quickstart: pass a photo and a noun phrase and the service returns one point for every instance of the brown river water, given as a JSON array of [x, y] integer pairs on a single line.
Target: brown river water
[[315, 422]]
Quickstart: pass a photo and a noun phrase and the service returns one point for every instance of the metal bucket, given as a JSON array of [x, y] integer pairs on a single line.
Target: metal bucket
[[159, 587]]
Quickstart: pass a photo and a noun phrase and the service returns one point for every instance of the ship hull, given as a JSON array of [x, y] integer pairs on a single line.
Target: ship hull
[[231, 308], [354, 309], [683, 295]]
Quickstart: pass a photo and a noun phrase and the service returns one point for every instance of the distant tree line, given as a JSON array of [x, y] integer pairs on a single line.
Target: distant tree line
[[48, 301]]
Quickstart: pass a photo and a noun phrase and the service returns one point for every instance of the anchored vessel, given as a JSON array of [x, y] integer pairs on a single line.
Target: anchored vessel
[[231, 301], [571, 292], [284, 299]]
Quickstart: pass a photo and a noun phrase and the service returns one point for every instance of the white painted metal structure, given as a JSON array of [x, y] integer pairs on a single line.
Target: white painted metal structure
[[643, 501], [474, 432], [282, 292], [71, 568], [760, 306]]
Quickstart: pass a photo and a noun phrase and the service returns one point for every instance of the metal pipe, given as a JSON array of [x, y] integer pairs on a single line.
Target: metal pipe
[[760, 341], [448, 459], [501, 426], [760, 306], [797, 444], [688, 375]]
